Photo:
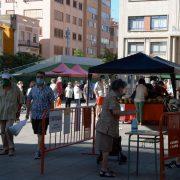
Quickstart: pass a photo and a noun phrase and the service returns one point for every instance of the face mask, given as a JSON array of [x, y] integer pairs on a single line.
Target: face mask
[[39, 81], [6, 82]]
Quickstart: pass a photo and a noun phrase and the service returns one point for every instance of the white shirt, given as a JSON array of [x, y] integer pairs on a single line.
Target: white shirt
[[99, 89], [77, 92], [28, 91], [68, 92], [141, 92], [54, 88]]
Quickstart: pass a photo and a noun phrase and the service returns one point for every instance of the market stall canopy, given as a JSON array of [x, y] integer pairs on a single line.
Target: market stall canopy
[[80, 70], [136, 64], [64, 71]]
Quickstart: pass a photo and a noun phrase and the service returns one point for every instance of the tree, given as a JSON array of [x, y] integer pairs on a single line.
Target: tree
[[108, 56], [12, 61], [78, 53]]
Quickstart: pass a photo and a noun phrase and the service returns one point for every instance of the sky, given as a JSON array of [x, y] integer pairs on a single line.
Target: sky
[[115, 9]]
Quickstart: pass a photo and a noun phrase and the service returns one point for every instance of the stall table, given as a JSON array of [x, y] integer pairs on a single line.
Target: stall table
[[152, 112]]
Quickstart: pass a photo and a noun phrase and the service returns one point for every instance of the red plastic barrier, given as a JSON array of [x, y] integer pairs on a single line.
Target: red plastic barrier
[[68, 126], [170, 123]]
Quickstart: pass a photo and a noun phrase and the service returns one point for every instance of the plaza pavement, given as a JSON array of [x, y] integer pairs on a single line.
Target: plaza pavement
[[69, 163]]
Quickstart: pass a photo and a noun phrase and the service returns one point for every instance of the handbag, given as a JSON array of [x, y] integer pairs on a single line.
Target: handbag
[[15, 129]]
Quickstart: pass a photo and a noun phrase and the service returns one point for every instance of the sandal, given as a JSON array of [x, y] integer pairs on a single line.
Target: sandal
[[109, 174]]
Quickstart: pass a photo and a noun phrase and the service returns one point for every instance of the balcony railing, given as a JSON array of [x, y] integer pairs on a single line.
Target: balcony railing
[[28, 43]]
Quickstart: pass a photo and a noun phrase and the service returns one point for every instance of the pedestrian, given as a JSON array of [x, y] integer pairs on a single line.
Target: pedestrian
[[140, 96], [39, 101], [53, 86], [59, 87], [10, 107], [85, 92], [77, 94], [99, 91], [31, 85], [69, 94], [107, 126], [20, 84]]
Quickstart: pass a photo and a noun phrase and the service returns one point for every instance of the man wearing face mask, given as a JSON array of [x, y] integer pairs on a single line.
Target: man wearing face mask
[[10, 106], [40, 99]]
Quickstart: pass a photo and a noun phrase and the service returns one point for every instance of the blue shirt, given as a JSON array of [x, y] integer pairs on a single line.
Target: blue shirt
[[41, 100]]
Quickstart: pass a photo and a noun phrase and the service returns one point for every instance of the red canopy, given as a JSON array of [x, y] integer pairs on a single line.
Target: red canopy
[[80, 70], [63, 70]]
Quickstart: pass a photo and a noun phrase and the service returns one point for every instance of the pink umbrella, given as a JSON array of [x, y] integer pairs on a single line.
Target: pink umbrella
[[80, 70]]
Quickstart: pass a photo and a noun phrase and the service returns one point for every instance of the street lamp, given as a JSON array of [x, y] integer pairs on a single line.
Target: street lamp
[[67, 36]]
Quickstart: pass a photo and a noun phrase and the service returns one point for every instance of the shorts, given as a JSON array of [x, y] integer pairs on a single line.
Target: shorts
[[37, 125], [104, 142], [100, 100]]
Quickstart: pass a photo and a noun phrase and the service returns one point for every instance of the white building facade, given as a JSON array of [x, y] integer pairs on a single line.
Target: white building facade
[[150, 26]]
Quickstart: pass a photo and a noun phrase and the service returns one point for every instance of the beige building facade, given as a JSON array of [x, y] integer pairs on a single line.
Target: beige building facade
[[66, 25], [150, 26]]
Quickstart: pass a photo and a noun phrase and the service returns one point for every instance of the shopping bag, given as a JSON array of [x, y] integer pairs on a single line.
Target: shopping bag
[[15, 129]]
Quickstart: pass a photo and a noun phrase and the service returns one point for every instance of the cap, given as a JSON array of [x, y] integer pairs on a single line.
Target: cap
[[6, 76]]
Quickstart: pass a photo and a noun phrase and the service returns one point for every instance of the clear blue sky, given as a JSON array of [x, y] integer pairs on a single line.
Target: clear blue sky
[[115, 9]]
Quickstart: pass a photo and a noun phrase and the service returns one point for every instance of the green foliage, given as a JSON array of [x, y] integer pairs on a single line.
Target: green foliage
[[108, 56], [12, 61], [78, 53]]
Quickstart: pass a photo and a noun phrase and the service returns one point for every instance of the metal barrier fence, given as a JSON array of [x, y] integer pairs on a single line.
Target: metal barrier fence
[[170, 124], [67, 126]]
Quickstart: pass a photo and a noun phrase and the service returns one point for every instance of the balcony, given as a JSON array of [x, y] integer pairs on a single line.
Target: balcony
[[28, 43]]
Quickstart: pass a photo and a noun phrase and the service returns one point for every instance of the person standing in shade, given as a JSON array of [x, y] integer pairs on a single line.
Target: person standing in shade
[[107, 126], [99, 91], [10, 107], [53, 86], [140, 96], [69, 94], [39, 101], [77, 94]]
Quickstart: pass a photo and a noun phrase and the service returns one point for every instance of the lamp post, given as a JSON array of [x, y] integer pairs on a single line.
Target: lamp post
[[67, 36]]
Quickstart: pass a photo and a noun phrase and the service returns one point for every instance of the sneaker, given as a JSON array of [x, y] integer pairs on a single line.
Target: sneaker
[[37, 155]]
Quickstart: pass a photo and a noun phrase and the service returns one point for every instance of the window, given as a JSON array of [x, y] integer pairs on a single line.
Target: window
[[80, 22], [75, 4], [159, 23], [80, 6], [58, 50], [34, 38], [68, 2], [91, 51], [68, 18], [105, 15], [58, 15], [34, 13], [136, 23], [59, 1], [105, 28], [58, 33], [74, 20], [105, 41], [135, 47], [92, 10], [106, 3], [74, 36], [158, 48], [92, 38], [79, 37], [10, 12], [92, 24]]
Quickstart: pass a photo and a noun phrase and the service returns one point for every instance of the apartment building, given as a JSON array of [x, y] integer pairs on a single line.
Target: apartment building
[[113, 45], [150, 26], [67, 25], [19, 34]]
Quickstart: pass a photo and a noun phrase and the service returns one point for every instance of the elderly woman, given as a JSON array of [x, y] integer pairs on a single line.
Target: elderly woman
[[107, 126]]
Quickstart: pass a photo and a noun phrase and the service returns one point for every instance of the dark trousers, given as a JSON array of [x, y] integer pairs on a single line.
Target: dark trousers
[[68, 102]]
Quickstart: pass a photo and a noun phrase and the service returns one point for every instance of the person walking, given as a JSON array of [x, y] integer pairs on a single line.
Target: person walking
[[107, 126], [39, 100], [53, 86], [10, 106], [68, 94], [99, 91], [77, 94], [140, 96]]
